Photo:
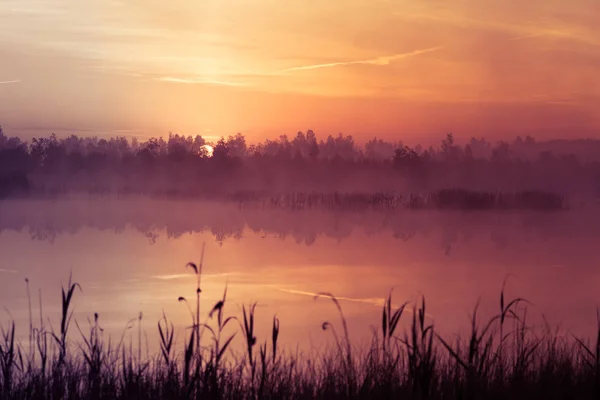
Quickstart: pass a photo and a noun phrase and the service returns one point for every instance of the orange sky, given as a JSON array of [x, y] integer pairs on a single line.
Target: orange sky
[[402, 68]]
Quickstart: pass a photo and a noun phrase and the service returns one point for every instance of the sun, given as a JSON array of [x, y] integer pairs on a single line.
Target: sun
[[209, 149]]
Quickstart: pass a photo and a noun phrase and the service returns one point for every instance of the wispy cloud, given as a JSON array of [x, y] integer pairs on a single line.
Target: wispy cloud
[[528, 36], [187, 276], [386, 60], [374, 301], [371, 301], [517, 29], [558, 34], [13, 81], [200, 81], [7, 271]]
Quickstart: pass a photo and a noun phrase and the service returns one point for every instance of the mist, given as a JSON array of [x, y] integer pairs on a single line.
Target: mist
[[234, 169], [284, 220]]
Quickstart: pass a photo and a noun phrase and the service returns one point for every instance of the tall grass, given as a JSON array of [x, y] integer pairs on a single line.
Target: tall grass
[[501, 357], [443, 199]]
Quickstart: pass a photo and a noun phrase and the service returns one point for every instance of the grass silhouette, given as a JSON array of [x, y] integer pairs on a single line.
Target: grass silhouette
[[443, 199], [500, 358]]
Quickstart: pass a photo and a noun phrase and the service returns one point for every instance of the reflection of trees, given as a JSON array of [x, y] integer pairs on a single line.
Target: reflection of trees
[[45, 220], [43, 234]]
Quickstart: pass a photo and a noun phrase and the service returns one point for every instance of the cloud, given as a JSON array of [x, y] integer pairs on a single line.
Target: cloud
[[386, 60], [528, 36], [374, 301], [201, 81], [186, 276], [7, 271], [558, 34], [13, 81], [518, 29], [371, 301]]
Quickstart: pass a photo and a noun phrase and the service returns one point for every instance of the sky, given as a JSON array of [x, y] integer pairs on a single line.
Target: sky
[[413, 69]]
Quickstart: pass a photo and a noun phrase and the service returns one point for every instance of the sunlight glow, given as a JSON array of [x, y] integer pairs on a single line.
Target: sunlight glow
[[467, 66], [209, 150]]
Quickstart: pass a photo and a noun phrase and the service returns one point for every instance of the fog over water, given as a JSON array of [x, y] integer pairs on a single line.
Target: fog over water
[[129, 255], [286, 219]]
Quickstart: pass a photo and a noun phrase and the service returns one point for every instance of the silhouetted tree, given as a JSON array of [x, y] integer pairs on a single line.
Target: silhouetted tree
[[181, 164]]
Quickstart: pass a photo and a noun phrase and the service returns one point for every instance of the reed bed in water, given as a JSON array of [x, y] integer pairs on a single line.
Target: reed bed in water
[[500, 358], [450, 199]]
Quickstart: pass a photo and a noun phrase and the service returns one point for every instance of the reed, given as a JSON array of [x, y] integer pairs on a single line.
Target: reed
[[442, 199], [502, 357]]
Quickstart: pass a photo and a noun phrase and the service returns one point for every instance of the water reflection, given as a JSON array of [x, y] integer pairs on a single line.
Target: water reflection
[[46, 219], [129, 256]]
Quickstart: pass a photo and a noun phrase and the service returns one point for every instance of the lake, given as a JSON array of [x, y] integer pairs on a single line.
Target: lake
[[129, 256]]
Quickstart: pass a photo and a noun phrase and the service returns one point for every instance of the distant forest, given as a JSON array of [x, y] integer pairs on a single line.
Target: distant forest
[[182, 166]]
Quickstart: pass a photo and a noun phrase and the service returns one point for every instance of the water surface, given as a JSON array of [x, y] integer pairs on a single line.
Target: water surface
[[129, 256]]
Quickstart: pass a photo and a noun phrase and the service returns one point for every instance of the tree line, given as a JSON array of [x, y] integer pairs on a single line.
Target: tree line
[[186, 165]]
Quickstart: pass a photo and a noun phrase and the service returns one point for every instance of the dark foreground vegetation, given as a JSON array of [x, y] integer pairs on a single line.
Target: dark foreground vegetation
[[444, 199], [192, 167], [499, 358]]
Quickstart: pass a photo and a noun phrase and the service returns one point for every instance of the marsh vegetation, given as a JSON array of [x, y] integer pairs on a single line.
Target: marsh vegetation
[[221, 357]]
